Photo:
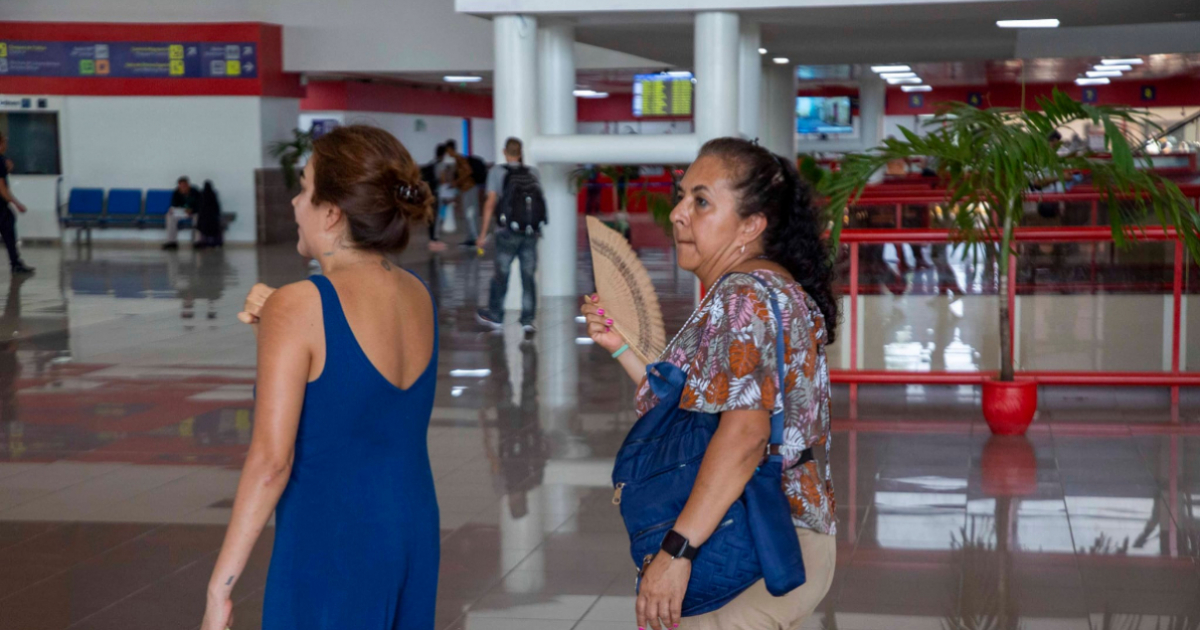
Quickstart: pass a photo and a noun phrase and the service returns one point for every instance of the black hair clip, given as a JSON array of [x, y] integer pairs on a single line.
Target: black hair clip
[[406, 193]]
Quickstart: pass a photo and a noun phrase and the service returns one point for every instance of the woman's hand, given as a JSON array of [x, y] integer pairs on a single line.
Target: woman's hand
[[660, 596], [254, 302], [218, 613], [600, 324]]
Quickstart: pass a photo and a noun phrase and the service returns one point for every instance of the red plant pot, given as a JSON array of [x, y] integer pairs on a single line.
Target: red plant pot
[[1009, 467], [1009, 406]]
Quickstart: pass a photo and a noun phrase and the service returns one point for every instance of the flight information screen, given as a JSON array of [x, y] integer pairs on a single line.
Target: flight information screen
[[663, 94]]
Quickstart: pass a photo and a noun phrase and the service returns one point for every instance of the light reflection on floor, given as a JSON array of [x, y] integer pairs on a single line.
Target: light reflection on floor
[[125, 392]]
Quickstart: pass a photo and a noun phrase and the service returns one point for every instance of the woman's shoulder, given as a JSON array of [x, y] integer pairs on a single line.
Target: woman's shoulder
[[294, 304], [761, 284]]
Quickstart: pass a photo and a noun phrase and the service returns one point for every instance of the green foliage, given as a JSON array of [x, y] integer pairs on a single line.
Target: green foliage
[[989, 159], [659, 206], [290, 152]]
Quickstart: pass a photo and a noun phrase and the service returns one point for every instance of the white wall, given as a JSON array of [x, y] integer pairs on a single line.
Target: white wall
[[421, 139], [277, 120], [483, 138], [148, 142]]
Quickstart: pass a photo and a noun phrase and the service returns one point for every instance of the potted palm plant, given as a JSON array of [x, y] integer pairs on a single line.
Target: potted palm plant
[[290, 153], [989, 160]]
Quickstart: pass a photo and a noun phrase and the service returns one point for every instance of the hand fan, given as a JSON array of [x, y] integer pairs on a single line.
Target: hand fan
[[626, 291]]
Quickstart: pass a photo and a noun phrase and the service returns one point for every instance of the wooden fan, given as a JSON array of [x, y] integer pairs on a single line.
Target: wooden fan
[[626, 291]]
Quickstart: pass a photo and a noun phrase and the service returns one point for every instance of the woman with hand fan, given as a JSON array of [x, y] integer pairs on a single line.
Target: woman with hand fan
[[745, 225]]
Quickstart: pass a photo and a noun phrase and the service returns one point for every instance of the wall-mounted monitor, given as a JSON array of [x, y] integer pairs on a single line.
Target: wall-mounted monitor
[[823, 115], [663, 94], [32, 142]]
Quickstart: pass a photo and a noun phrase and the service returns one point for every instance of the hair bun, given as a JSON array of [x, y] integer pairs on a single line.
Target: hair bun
[[413, 200], [367, 173]]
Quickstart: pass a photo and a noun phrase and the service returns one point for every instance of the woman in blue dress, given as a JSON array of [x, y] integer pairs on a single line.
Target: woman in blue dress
[[346, 378]]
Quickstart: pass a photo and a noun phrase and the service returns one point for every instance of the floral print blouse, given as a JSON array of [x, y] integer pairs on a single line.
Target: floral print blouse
[[727, 348]]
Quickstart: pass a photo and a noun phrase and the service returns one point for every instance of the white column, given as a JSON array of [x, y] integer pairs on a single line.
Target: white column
[[749, 79], [556, 84], [778, 108], [513, 100], [872, 98], [515, 78], [716, 59]]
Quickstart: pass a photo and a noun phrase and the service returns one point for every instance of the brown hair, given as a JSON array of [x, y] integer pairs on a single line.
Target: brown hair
[[367, 173], [512, 148]]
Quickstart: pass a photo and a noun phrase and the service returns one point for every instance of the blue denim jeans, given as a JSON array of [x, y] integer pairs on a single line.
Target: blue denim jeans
[[522, 247]]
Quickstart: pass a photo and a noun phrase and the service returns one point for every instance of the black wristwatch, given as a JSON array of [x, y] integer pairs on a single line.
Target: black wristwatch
[[677, 546]]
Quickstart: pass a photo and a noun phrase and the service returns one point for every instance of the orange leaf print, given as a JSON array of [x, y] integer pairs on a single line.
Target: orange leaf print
[[809, 489], [717, 392], [789, 382], [761, 309], [796, 503], [743, 358], [689, 398], [768, 393]]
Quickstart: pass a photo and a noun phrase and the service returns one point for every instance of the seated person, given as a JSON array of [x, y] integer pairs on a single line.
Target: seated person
[[184, 203]]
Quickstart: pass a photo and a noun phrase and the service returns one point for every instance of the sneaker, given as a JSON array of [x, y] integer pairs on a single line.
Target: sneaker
[[483, 316], [21, 269], [529, 328]]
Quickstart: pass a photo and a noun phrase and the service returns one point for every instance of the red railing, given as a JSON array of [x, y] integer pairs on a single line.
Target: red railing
[[854, 238]]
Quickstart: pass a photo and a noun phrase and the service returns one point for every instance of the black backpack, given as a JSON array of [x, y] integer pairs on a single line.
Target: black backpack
[[522, 206], [479, 169]]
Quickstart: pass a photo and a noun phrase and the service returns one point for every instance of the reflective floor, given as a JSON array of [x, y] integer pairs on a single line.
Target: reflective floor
[[125, 411]]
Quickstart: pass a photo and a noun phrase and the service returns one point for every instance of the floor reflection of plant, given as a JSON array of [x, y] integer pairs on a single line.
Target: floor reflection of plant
[[1106, 546], [985, 600], [1123, 621]]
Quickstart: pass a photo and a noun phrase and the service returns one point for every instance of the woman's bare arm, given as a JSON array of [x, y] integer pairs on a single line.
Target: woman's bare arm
[[284, 358]]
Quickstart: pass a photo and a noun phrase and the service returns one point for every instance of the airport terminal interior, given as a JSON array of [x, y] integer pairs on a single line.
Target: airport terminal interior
[[127, 381]]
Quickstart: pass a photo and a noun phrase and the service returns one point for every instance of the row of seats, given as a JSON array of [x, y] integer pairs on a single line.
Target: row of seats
[[86, 207]]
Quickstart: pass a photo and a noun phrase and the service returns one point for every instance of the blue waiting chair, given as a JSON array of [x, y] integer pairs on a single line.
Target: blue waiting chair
[[158, 201], [85, 210], [124, 207]]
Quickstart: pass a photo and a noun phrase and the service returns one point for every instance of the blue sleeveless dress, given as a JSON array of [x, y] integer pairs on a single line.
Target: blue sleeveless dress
[[356, 530]]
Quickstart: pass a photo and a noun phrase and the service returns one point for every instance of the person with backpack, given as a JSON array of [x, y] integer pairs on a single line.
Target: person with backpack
[[470, 175], [514, 196]]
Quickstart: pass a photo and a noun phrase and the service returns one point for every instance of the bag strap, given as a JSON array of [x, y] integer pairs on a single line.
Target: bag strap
[[775, 448]]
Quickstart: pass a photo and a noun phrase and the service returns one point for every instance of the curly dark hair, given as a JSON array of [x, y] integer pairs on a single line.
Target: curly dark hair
[[769, 185]]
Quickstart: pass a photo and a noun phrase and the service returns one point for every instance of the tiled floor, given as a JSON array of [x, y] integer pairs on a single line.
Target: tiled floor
[[125, 394]]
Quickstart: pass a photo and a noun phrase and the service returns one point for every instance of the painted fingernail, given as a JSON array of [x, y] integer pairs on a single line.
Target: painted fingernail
[[607, 329], [596, 298], [599, 311], [608, 322]]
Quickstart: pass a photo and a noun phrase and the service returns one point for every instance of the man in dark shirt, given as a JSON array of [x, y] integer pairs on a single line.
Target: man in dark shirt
[[183, 206], [8, 220]]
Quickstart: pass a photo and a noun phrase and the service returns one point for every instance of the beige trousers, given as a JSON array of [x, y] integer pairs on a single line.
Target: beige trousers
[[756, 609]]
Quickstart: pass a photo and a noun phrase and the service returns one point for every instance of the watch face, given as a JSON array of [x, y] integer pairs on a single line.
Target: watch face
[[674, 543]]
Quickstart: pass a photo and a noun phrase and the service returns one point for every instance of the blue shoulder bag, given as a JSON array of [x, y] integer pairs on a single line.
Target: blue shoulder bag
[[654, 474]]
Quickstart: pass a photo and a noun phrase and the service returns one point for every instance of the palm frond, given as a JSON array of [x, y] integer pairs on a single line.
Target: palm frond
[[989, 160]]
